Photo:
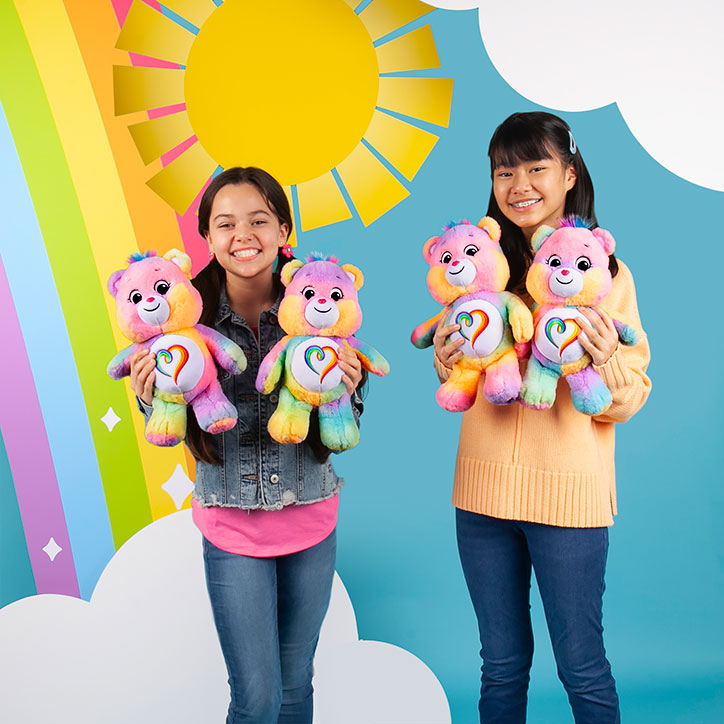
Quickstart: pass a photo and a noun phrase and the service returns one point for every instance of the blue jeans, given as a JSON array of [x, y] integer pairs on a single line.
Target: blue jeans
[[268, 613], [569, 565]]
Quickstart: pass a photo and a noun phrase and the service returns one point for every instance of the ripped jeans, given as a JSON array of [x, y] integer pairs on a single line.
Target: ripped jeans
[[268, 614]]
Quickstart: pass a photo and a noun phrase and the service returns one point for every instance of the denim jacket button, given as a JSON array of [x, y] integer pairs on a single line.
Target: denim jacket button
[[274, 398], [274, 478]]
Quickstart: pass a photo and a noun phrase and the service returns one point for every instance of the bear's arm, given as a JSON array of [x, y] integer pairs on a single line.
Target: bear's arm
[[120, 365], [370, 358], [227, 353], [423, 334], [270, 370], [625, 372], [519, 318]]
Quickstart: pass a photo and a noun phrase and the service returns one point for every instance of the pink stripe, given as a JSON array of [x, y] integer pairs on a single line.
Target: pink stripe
[[36, 486], [166, 110], [174, 153], [194, 245]]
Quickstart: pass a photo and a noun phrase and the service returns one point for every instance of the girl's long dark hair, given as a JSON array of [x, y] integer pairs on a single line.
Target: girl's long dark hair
[[533, 136], [212, 278]]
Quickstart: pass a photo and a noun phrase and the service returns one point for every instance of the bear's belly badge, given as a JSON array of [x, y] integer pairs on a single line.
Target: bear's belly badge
[[314, 364], [556, 336], [179, 363], [481, 326]]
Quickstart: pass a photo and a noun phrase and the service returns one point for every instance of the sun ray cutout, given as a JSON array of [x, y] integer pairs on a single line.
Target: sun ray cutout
[[321, 203], [148, 32], [140, 89], [329, 69], [381, 17], [156, 136], [405, 146], [412, 51], [178, 183]]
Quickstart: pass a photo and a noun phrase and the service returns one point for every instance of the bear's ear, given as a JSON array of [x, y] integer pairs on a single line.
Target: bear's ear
[[606, 240], [354, 274], [429, 245], [289, 270], [181, 260], [541, 234], [114, 281], [491, 226]]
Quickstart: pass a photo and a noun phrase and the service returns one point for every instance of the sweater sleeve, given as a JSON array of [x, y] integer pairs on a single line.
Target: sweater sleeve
[[625, 371]]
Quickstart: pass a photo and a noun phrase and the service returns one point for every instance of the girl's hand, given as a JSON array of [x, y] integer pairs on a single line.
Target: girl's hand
[[351, 369], [599, 336], [449, 353], [143, 364]]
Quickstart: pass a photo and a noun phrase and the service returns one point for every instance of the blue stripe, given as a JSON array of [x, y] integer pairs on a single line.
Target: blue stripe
[[16, 572], [54, 370]]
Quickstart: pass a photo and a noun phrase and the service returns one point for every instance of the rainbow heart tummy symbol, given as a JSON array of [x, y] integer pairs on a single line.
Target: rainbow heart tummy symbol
[[556, 325], [317, 354], [165, 357], [467, 322]]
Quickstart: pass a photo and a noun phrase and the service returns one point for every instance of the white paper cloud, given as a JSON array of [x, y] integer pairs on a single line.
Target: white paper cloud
[[144, 650], [661, 62]]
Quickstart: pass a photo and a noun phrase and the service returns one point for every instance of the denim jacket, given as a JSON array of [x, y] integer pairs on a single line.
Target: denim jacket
[[256, 471]]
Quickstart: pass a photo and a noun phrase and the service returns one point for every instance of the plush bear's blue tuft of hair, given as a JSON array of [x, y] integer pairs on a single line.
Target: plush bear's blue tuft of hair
[[319, 256], [576, 222], [140, 255]]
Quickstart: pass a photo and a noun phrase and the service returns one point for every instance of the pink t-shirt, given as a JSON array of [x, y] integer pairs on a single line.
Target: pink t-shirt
[[267, 533]]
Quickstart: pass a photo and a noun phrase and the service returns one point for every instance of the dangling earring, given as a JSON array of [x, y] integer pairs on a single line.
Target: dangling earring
[[211, 254]]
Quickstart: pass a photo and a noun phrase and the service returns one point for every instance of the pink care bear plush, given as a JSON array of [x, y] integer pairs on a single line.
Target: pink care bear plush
[[468, 273], [320, 313], [570, 270], [158, 309]]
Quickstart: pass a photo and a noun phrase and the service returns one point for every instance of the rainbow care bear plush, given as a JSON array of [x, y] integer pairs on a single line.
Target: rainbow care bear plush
[[158, 309], [319, 313], [569, 270], [468, 273]]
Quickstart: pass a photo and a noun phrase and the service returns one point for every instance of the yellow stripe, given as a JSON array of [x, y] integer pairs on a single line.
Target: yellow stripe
[[428, 99], [195, 11], [155, 137], [321, 203], [96, 182], [413, 51], [381, 17], [140, 89]]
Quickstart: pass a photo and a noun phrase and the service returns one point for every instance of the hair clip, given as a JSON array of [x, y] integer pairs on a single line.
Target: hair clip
[[571, 143], [287, 250]]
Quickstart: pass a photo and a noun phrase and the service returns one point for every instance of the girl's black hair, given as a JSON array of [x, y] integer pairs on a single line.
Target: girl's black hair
[[533, 136]]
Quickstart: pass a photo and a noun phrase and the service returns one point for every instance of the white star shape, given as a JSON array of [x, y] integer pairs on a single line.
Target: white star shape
[[178, 486], [52, 549], [110, 419]]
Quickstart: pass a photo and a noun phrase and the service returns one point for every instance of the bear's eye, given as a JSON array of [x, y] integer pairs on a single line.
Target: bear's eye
[[336, 294], [446, 258], [135, 297], [471, 250], [554, 261], [308, 292], [161, 286], [583, 263]]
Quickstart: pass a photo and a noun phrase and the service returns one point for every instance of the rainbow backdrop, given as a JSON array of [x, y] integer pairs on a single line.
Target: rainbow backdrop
[[76, 204]]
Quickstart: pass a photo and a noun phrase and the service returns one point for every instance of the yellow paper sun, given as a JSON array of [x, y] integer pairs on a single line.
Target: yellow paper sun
[[296, 87]]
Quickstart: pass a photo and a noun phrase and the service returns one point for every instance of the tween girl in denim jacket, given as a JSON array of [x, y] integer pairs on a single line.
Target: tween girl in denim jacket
[[267, 511]]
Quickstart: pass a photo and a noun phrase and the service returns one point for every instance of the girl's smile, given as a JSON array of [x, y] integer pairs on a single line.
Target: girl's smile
[[533, 192]]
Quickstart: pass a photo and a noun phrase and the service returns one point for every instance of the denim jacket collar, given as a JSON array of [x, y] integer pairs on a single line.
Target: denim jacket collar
[[225, 310]]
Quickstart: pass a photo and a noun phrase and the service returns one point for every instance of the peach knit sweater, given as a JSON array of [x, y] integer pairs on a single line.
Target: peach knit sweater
[[554, 466]]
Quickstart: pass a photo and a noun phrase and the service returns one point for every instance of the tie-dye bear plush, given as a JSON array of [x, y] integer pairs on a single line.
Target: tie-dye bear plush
[[158, 309], [468, 273], [570, 270], [319, 313]]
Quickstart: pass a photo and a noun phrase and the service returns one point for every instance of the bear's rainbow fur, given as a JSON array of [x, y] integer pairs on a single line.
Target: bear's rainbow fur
[[290, 421], [485, 273], [566, 247], [167, 424]]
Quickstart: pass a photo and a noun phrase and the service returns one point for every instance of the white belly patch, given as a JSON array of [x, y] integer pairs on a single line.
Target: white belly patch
[[314, 364], [481, 326], [179, 363], [556, 336]]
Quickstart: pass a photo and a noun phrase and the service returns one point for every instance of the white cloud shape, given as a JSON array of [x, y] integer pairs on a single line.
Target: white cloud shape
[[662, 63], [144, 650]]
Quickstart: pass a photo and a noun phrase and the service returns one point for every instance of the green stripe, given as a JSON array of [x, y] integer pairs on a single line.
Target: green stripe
[[16, 573], [76, 277]]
